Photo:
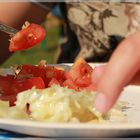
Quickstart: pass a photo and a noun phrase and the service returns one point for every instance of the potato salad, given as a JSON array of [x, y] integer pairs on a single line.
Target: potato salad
[[56, 104]]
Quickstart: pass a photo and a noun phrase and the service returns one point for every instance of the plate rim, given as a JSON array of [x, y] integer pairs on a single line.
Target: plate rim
[[105, 126]]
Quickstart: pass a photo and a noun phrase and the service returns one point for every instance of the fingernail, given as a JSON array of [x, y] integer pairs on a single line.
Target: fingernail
[[101, 102]]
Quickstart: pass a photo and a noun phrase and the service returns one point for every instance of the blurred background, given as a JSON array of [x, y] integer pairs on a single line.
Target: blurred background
[[46, 50]]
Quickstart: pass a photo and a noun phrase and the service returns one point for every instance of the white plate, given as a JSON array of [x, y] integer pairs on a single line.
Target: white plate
[[131, 128]]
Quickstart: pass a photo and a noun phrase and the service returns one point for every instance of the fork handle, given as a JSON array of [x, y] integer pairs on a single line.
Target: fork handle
[[8, 29]]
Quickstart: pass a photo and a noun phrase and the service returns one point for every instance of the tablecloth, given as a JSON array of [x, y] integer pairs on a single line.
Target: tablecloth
[[7, 135]]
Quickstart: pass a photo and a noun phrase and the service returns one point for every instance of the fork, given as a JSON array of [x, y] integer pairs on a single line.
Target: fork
[[7, 29]]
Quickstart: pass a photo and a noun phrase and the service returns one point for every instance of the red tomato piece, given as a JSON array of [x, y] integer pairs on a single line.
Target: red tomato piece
[[7, 92], [28, 71], [46, 73], [27, 37], [5, 84], [80, 73], [33, 82], [57, 74], [11, 86], [70, 84], [20, 85], [91, 87], [53, 82], [11, 98]]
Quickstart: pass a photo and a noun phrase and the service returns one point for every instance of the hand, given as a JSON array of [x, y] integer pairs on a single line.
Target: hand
[[122, 69], [14, 14]]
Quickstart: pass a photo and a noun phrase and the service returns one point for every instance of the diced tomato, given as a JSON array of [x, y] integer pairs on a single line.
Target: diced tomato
[[91, 87], [33, 82], [59, 75], [70, 84], [6, 89], [80, 73], [27, 37], [5, 84], [53, 82], [10, 86], [46, 73], [10, 97], [20, 85], [33, 71]]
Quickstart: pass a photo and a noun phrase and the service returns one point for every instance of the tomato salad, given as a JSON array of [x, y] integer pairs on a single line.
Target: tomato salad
[[41, 76], [44, 76]]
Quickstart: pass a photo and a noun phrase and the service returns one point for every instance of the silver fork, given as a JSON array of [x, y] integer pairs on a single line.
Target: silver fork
[[8, 29]]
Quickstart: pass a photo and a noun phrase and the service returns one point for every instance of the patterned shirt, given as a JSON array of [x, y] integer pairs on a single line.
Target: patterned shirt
[[100, 26]]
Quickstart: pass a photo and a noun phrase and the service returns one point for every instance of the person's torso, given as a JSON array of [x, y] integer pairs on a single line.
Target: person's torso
[[100, 26]]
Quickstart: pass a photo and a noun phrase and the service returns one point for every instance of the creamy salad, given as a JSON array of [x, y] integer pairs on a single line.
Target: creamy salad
[[58, 104]]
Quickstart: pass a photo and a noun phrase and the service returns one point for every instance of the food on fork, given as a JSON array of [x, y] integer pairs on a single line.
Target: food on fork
[[28, 37]]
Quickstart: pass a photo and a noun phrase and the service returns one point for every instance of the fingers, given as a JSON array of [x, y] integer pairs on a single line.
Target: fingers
[[122, 67], [97, 73]]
